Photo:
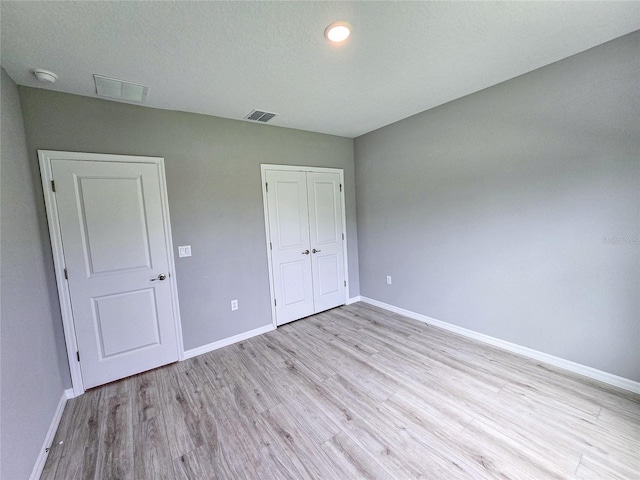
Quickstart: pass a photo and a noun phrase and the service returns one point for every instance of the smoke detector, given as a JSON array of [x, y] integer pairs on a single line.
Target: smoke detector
[[260, 116], [44, 75]]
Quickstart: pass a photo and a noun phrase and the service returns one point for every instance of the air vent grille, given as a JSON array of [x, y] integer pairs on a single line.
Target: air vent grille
[[120, 90], [260, 116]]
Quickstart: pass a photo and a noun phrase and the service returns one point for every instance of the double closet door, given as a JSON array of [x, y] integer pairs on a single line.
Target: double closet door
[[306, 242]]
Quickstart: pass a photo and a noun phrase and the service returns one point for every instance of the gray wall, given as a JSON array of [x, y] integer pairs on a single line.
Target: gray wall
[[215, 195], [34, 369], [514, 211]]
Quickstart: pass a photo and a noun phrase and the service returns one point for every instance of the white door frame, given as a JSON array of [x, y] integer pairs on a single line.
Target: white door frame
[[45, 157], [296, 168]]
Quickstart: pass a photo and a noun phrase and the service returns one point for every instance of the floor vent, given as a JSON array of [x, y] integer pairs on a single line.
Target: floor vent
[[260, 116]]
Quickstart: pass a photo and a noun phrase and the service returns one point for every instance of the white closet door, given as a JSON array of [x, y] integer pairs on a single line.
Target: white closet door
[[290, 247], [115, 249], [325, 230]]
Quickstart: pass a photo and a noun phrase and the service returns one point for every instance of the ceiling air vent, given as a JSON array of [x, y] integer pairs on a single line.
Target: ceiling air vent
[[120, 90], [260, 116]]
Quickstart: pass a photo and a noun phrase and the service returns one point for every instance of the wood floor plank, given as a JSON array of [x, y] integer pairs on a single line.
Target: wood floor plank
[[146, 397], [308, 458], [94, 436], [300, 351], [416, 406], [151, 454], [181, 417], [255, 385], [223, 449], [328, 331], [579, 431], [319, 426], [81, 431], [354, 392], [65, 427], [514, 460], [625, 424], [196, 465], [599, 468], [352, 460], [288, 365], [258, 444], [215, 370], [428, 446], [115, 450]]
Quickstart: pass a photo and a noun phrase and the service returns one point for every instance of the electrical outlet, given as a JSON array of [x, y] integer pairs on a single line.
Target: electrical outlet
[[184, 251], [234, 305], [388, 279]]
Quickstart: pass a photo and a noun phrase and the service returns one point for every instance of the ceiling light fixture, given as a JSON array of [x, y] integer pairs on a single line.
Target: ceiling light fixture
[[337, 32], [44, 75]]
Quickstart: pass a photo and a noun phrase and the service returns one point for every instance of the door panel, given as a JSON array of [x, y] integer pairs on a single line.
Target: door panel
[[328, 275], [290, 252], [126, 322], [294, 289], [102, 215], [112, 227], [327, 245], [323, 208], [291, 216]]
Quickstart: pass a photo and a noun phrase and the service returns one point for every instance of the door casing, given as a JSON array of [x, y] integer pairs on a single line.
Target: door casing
[[297, 168], [45, 158]]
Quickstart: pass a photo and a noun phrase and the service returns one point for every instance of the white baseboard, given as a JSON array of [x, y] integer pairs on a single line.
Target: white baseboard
[[353, 300], [194, 352], [70, 393], [574, 367], [51, 433]]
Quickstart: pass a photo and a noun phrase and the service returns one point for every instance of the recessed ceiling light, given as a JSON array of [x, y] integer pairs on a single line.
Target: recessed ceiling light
[[44, 75], [337, 32]]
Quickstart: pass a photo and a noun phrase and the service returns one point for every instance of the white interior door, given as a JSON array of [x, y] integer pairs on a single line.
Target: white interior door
[[116, 256], [306, 242], [325, 231], [290, 246]]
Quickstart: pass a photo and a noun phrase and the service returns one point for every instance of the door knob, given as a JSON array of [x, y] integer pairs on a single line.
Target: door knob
[[306, 252], [315, 251], [160, 277]]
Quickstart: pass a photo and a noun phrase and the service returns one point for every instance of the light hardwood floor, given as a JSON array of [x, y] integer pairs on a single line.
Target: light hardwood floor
[[355, 392]]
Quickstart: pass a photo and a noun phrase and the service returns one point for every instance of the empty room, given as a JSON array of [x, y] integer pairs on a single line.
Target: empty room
[[320, 240]]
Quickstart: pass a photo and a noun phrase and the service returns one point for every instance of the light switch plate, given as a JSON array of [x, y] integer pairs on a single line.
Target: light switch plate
[[184, 251]]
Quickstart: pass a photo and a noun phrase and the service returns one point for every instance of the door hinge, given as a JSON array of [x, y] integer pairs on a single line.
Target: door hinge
[[66, 274], [343, 236], [340, 187], [267, 186], [270, 246], [78, 355], [345, 283], [275, 304], [53, 185]]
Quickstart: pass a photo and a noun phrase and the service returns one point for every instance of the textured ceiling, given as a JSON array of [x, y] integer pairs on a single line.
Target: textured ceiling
[[226, 58]]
